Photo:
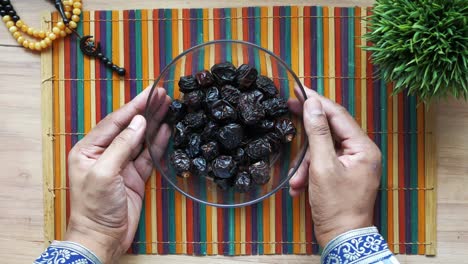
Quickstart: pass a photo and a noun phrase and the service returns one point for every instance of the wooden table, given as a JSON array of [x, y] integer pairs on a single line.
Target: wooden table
[[21, 207]]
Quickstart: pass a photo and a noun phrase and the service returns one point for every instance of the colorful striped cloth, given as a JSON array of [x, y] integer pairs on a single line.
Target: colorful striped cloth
[[322, 45]]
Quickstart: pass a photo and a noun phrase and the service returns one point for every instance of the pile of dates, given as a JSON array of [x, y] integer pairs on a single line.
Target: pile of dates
[[226, 126]]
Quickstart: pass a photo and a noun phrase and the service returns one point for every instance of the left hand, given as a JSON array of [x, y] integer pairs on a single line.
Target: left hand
[[108, 171]]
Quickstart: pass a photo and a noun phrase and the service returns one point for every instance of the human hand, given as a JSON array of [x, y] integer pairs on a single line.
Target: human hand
[[341, 169], [108, 170]]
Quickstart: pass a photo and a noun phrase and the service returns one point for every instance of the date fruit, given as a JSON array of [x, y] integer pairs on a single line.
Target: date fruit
[[222, 111], [204, 79], [230, 136], [224, 167], [188, 84], [181, 163], [260, 172], [259, 149], [199, 167], [210, 150], [266, 86], [177, 110], [246, 76], [224, 73], [228, 125], [243, 182]]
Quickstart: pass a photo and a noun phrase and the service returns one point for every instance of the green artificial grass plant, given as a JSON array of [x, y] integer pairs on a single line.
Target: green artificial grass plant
[[421, 45]]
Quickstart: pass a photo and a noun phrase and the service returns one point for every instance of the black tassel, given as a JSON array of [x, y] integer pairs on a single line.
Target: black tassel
[[61, 9]]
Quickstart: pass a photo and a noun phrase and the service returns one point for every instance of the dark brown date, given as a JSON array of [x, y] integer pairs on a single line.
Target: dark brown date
[[230, 135], [176, 111], [230, 94], [224, 167], [266, 86], [275, 107], [210, 150], [227, 125], [250, 108], [188, 84], [181, 163], [260, 172], [194, 99], [259, 149], [209, 131], [224, 73], [195, 121], [222, 111], [211, 96], [243, 182], [199, 167], [246, 76], [193, 146], [180, 135], [204, 79], [285, 128]]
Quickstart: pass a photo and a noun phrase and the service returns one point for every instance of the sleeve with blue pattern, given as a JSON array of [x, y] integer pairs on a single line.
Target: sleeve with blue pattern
[[65, 252], [363, 245]]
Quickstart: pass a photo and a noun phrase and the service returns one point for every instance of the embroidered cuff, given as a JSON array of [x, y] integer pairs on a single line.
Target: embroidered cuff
[[363, 245], [67, 252]]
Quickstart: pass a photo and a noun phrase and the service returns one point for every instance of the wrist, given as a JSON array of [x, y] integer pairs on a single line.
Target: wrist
[[325, 234], [105, 247]]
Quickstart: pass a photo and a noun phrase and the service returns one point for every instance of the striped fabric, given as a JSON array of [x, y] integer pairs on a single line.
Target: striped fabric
[[322, 46]]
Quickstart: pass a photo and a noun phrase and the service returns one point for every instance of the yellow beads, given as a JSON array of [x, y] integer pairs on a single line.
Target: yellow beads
[[19, 23], [37, 46], [43, 44], [24, 28], [72, 24], [60, 25], [45, 39], [52, 36], [77, 11]]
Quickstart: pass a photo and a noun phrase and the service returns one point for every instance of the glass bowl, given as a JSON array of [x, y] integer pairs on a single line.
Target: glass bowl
[[283, 163]]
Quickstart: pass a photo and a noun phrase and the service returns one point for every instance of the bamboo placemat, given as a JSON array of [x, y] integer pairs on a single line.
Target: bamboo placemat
[[322, 46]]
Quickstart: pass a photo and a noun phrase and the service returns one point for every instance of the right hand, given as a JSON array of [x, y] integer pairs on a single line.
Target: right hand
[[341, 169]]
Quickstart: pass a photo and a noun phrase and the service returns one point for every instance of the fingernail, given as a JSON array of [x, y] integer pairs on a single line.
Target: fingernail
[[137, 122]]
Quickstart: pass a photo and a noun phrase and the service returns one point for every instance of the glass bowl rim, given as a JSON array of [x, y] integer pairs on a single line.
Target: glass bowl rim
[[158, 167]]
